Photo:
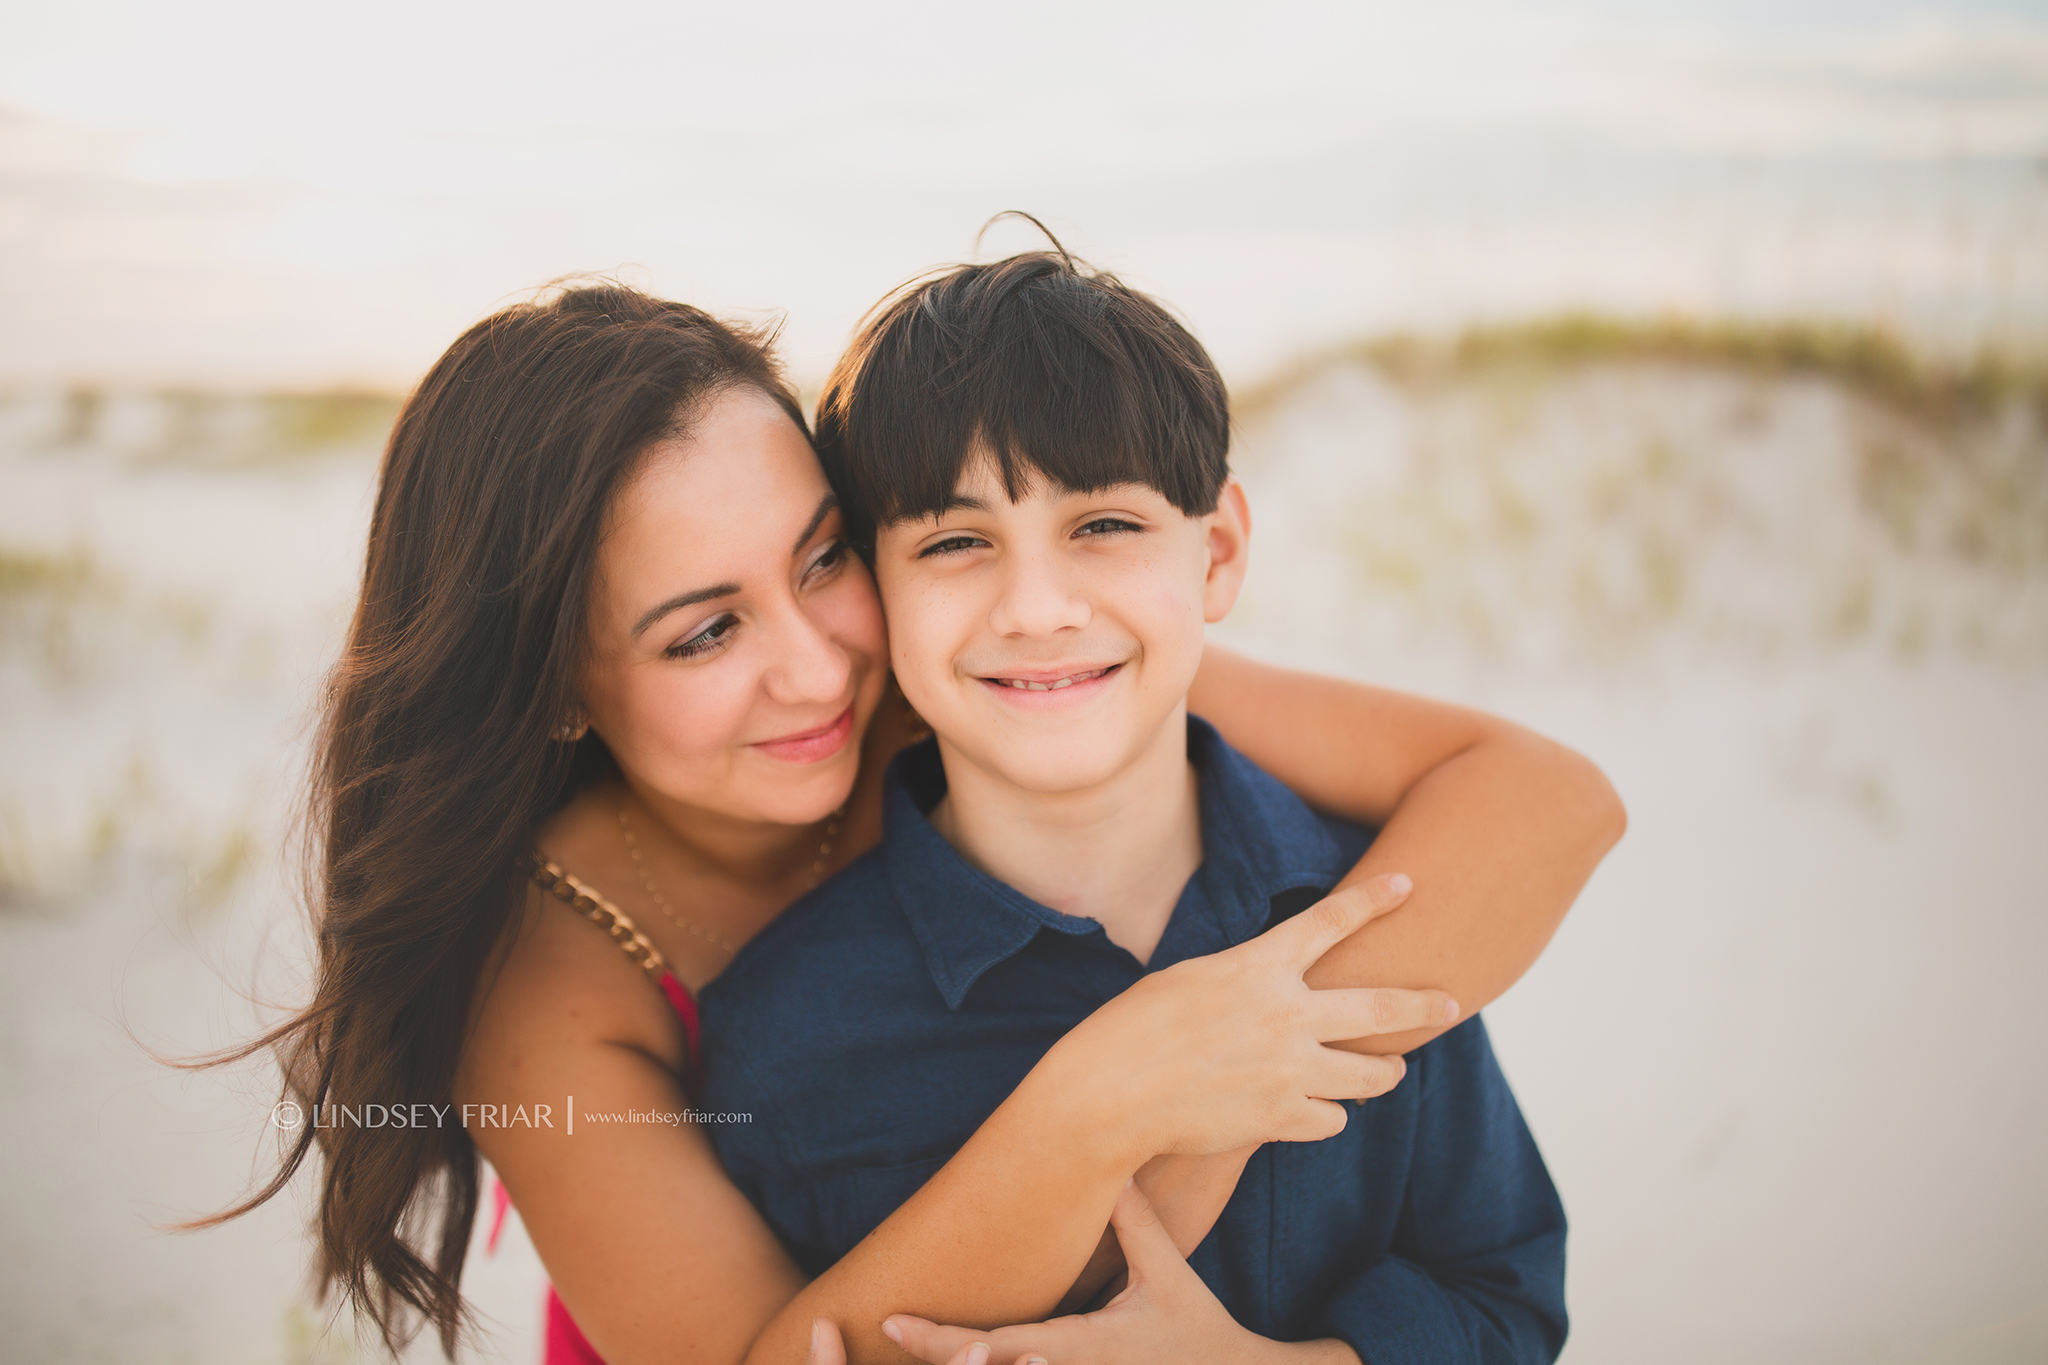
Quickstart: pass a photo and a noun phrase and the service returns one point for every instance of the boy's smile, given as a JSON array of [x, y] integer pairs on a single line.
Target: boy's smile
[[1035, 680]]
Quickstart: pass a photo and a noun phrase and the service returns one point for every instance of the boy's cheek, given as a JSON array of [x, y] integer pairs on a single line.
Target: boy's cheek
[[921, 663], [901, 590]]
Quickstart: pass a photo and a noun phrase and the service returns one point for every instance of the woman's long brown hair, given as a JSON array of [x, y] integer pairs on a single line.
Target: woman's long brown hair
[[437, 756]]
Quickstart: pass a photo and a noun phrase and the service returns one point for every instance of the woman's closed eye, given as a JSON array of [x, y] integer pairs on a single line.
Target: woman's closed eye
[[713, 635], [717, 633], [830, 561]]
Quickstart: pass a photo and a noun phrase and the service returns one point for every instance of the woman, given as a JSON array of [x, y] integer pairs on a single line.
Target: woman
[[609, 628]]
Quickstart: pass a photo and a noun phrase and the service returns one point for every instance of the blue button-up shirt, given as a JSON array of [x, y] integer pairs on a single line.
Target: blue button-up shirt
[[874, 1025]]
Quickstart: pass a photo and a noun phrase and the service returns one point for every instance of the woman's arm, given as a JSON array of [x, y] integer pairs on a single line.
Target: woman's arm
[[1161, 1067], [1498, 827], [1167, 1316], [658, 1257], [653, 1250], [651, 1246]]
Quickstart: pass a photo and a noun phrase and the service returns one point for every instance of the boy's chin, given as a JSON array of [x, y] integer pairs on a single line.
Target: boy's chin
[[1049, 769]]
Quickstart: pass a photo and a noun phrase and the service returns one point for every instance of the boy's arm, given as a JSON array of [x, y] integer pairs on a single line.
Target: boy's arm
[[1477, 1268], [1498, 827]]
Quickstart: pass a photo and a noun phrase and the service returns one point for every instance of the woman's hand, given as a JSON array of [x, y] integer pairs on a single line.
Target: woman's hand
[[1167, 1316], [1228, 1051], [827, 1348]]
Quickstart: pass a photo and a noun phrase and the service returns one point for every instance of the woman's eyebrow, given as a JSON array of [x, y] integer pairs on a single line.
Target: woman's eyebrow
[[691, 599], [681, 600], [825, 507]]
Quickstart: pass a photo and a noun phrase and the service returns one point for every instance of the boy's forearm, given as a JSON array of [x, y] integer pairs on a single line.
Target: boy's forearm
[[997, 1236], [1499, 841]]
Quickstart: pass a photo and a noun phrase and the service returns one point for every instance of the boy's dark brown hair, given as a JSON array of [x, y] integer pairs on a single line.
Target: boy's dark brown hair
[[1052, 367]]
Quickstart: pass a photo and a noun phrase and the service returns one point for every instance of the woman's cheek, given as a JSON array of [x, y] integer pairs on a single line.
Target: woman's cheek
[[688, 712], [855, 615]]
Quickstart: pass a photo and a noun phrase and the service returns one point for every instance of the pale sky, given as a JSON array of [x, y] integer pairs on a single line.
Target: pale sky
[[231, 192]]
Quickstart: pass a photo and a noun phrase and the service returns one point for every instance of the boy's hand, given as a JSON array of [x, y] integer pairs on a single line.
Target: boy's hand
[[1167, 1316], [1228, 1051]]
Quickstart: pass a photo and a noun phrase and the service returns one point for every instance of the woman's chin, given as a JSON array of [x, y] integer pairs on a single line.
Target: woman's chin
[[809, 798]]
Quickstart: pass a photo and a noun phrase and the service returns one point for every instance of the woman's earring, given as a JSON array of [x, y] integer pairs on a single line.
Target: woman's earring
[[570, 733]]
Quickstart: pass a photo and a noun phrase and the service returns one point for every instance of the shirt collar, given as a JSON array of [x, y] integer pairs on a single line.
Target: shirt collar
[[1259, 842]]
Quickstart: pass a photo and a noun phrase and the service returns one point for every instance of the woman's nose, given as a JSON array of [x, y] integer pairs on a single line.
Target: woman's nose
[[1037, 598], [810, 665]]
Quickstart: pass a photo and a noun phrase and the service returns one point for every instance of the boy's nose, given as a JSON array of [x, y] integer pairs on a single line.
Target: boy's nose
[[1037, 599]]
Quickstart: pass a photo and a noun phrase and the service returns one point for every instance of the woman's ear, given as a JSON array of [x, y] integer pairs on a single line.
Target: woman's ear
[[1229, 534]]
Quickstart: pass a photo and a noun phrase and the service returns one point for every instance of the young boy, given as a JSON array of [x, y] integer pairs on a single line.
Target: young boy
[[1035, 456]]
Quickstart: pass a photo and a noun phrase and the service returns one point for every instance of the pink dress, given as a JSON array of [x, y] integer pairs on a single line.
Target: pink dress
[[566, 1344]]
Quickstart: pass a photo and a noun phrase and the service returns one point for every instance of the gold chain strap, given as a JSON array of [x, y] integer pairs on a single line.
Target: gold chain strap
[[564, 887]]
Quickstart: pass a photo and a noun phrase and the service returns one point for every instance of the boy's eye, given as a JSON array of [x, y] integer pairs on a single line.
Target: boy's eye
[[1108, 526], [951, 545], [714, 634]]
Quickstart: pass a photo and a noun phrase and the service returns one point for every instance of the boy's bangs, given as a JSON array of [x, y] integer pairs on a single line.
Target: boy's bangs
[[1048, 372]]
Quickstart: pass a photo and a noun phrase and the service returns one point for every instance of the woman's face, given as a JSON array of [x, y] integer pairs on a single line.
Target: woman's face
[[737, 651]]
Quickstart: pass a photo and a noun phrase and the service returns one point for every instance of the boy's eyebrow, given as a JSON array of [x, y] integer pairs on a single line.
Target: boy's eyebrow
[[681, 600]]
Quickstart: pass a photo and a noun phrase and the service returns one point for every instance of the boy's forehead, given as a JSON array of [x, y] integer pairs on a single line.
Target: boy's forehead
[[981, 487], [980, 484]]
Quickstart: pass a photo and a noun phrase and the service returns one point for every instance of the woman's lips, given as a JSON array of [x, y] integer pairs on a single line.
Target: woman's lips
[[812, 746]]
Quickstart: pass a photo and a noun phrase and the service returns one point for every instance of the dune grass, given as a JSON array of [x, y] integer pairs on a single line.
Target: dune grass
[[1870, 360], [226, 429]]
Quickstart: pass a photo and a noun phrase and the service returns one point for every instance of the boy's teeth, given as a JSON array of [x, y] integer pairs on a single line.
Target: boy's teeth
[[1023, 686]]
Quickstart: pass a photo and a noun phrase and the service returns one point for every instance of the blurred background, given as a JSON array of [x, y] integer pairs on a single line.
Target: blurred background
[[1671, 377]]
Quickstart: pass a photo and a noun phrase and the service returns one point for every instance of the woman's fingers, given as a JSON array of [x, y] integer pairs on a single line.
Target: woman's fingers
[[930, 1342], [1340, 1075], [1149, 1249], [826, 1347], [1361, 1012], [1306, 937], [941, 1345], [1226, 1046]]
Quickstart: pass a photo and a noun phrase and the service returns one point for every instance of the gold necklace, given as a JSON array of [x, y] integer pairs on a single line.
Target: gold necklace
[[668, 911]]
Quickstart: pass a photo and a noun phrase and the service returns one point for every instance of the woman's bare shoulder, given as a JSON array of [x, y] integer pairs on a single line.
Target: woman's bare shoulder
[[557, 986]]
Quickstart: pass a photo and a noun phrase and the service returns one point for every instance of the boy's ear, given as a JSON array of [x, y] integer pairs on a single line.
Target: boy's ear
[[1229, 531]]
